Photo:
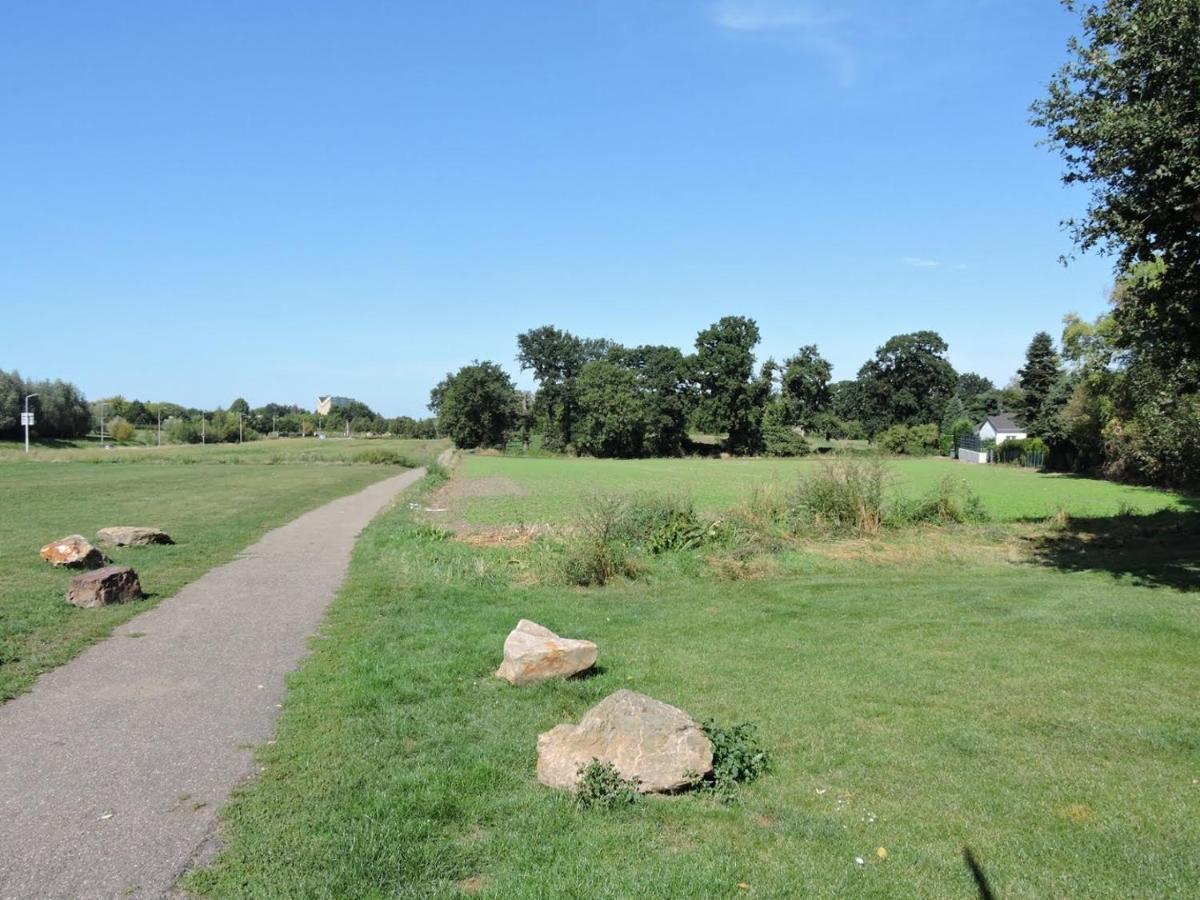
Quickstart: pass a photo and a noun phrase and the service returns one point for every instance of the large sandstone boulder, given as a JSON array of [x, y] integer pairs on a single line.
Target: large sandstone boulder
[[112, 584], [75, 551], [132, 536], [660, 745], [533, 653]]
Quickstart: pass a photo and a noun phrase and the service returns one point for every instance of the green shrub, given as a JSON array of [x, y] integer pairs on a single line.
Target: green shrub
[[779, 438], [951, 502], [121, 430], [911, 440], [847, 496], [601, 785], [661, 523], [382, 456], [738, 758], [597, 553]]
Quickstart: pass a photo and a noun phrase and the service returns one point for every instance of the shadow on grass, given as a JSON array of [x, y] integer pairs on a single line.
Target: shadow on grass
[[1157, 550]]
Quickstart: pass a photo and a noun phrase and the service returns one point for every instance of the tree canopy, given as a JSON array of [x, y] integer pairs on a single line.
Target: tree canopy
[[1124, 113]]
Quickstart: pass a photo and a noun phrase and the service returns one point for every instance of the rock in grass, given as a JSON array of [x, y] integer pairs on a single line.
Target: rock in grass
[[74, 551], [133, 536], [533, 653], [112, 584], [661, 746]]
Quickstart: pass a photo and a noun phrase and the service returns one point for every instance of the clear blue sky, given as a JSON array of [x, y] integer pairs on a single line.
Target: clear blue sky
[[200, 200]]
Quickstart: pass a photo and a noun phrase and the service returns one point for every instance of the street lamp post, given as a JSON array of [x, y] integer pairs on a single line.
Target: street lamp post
[[27, 419]]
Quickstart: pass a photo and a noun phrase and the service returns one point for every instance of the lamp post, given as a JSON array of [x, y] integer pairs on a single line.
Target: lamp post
[[27, 419]]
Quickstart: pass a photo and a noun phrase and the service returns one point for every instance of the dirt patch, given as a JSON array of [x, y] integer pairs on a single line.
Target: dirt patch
[[512, 536], [446, 507], [470, 488], [961, 545]]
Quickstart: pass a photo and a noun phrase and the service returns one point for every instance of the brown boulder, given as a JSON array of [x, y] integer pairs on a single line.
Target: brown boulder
[[661, 746], [533, 653], [132, 536], [74, 551], [112, 584]]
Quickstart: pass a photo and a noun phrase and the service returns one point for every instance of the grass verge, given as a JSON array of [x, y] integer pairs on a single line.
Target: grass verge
[[913, 702]]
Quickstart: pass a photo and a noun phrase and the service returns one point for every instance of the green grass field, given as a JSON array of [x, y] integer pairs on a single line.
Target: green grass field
[[1023, 689], [213, 500], [554, 490]]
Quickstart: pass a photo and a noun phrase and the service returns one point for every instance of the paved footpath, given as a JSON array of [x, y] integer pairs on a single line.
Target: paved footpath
[[113, 768]]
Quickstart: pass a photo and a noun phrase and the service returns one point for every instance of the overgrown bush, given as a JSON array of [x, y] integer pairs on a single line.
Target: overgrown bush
[[601, 785], [779, 438], [382, 456], [661, 523], [843, 497], [911, 440], [121, 431], [951, 502], [597, 553], [1021, 451]]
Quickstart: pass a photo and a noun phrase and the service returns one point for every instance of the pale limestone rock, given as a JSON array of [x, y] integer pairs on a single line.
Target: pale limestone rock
[[74, 551], [533, 653], [661, 746], [132, 536]]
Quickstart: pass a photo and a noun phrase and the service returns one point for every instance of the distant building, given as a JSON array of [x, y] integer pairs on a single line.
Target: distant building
[[326, 404], [1000, 428]]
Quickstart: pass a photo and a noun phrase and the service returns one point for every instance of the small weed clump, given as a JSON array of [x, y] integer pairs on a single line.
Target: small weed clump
[[738, 758], [601, 785]]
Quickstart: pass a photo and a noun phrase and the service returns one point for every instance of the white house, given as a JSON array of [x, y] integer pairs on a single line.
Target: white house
[[1000, 428]]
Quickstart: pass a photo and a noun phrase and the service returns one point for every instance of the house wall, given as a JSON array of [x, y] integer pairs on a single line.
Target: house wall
[[1010, 435], [986, 432]]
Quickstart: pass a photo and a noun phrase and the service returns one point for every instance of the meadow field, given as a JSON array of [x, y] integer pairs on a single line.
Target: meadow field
[[505, 490], [1023, 686], [214, 500]]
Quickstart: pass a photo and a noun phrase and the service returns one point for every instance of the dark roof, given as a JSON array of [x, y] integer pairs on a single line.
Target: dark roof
[[1004, 422]]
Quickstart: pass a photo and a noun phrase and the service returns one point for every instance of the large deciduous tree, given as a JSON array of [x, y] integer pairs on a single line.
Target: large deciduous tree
[[664, 383], [557, 358], [731, 398], [1124, 112], [612, 419], [476, 406], [805, 386], [908, 382]]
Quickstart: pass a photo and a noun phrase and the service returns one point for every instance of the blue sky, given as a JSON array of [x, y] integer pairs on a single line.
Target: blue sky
[[201, 200]]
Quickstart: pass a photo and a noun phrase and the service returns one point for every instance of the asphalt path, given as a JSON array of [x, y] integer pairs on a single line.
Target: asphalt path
[[114, 766]]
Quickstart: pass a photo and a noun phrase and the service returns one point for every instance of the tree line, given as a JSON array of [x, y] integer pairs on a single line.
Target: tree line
[[61, 411], [1119, 395], [597, 397]]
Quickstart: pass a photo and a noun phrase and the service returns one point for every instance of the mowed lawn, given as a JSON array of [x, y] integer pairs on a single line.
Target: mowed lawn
[[512, 490], [920, 691], [214, 501]]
